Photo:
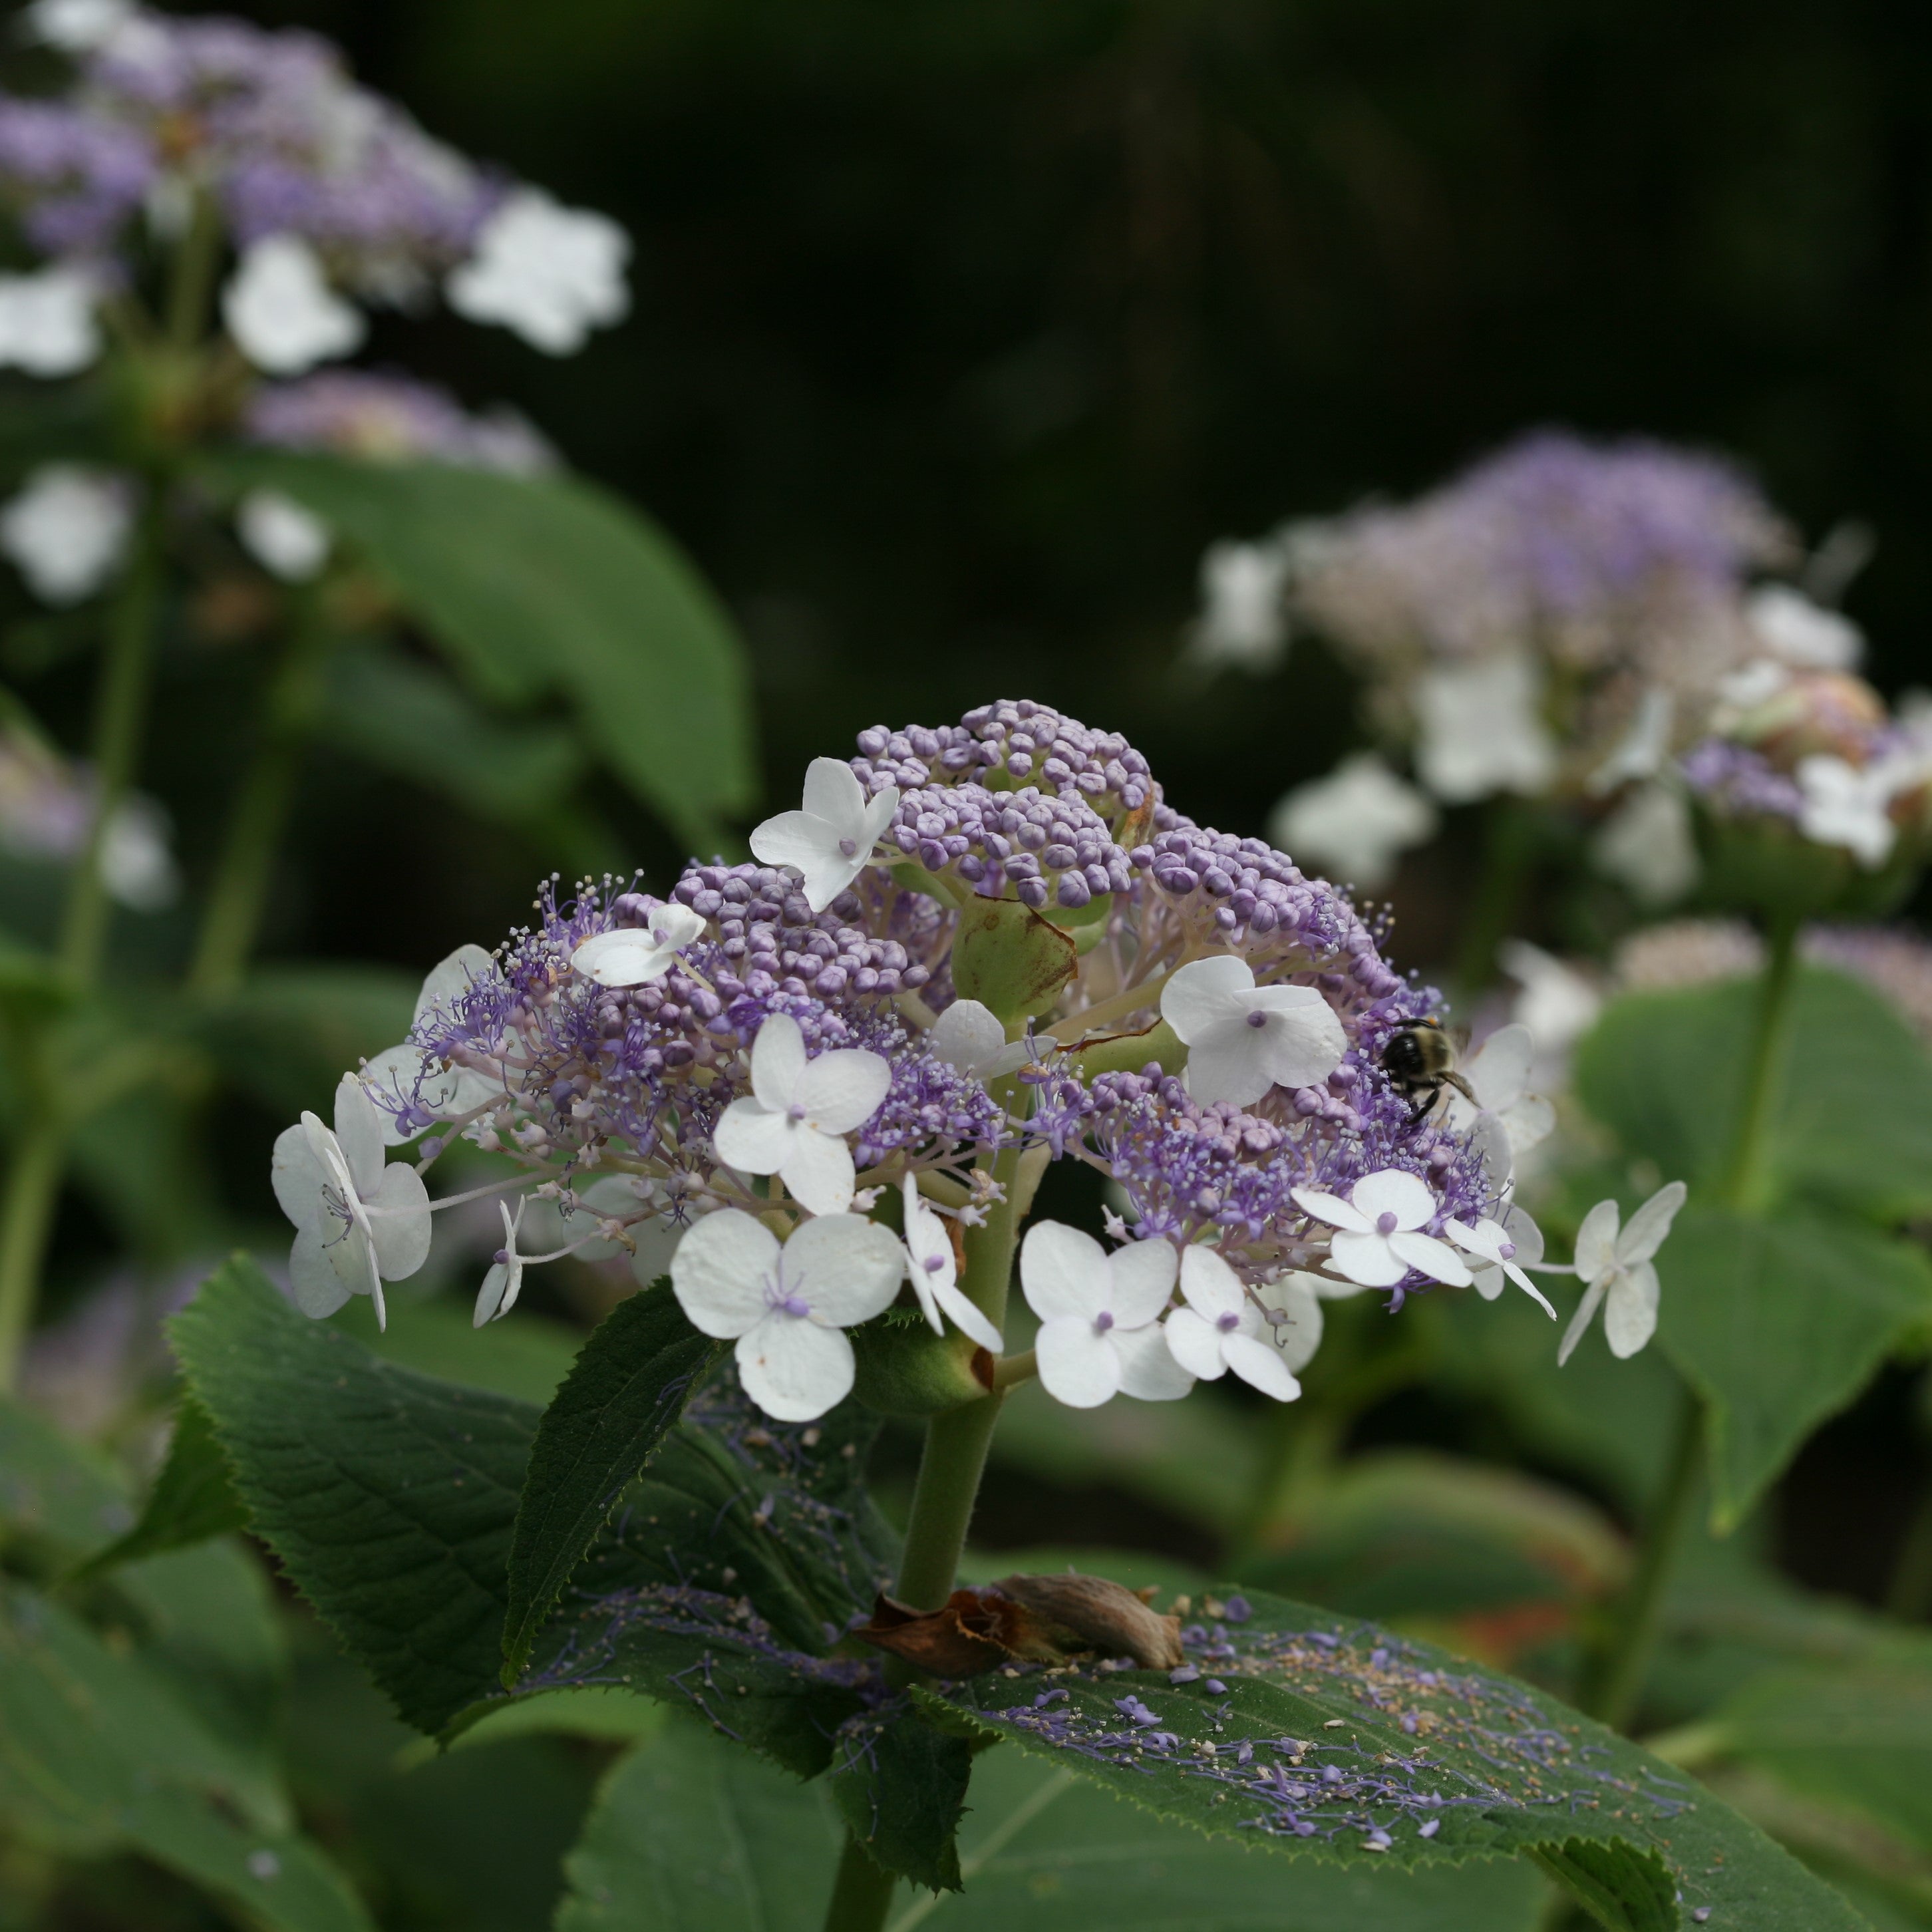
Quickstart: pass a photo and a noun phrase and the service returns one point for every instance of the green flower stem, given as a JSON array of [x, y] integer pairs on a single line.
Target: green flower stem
[[191, 285], [861, 1895], [1909, 1595], [1747, 1180], [231, 920], [120, 717], [26, 1219], [1509, 853], [1619, 1676]]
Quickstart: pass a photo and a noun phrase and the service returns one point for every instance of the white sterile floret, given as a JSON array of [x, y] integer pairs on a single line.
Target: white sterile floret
[[1646, 845], [785, 1306], [1845, 806], [969, 1035], [358, 1223], [1797, 631], [1506, 1118], [934, 1274], [431, 1086], [1356, 822], [504, 1281], [1292, 1313], [1221, 1328], [1617, 1271], [1480, 729], [1641, 752], [1242, 620], [1100, 1333], [1499, 1248], [794, 1121], [1557, 1004], [67, 531], [1378, 1240], [629, 956], [1242, 1038], [829, 843], [75, 26], [281, 312], [550, 273], [47, 321], [137, 861], [287, 541]]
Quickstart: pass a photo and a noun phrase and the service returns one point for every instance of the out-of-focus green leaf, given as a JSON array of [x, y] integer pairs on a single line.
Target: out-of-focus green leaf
[[1389, 1751], [388, 1497], [541, 582], [1853, 1122], [628, 1387], [192, 1499], [64, 1494], [1779, 1321], [527, 1358], [290, 1032], [98, 1753]]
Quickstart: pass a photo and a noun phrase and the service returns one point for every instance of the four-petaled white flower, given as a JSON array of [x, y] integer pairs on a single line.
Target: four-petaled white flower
[[1847, 806], [630, 956], [1480, 729], [1242, 619], [794, 1121], [550, 273], [1646, 845], [1797, 631], [785, 1306], [1242, 1038], [287, 541], [934, 1274], [1617, 1269], [1378, 1240], [1506, 1117], [1356, 822], [829, 843], [428, 1088], [1501, 1248], [1100, 1333], [358, 1223], [1641, 751], [969, 1035], [1221, 1328], [504, 1281], [66, 530], [281, 312], [47, 321]]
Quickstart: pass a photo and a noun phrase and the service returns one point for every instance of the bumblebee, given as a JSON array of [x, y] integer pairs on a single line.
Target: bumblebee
[[1420, 1061]]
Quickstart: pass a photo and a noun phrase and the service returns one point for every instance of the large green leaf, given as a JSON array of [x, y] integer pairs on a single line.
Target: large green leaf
[[690, 1835], [1779, 1321], [528, 1358], [64, 1495], [629, 1386], [540, 582], [1853, 1121], [98, 1753], [388, 1497], [1341, 1743]]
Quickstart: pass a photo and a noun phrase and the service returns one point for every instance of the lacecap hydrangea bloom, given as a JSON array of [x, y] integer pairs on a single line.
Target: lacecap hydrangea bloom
[[1008, 939]]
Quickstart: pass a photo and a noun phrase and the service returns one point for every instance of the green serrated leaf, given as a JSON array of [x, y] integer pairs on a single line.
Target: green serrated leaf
[[1341, 1743], [630, 1384], [1853, 1123], [193, 1499], [97, 1753], [1779, 1321], [1622, 1889], [537, 583], [900, 1784], [389, 1497]]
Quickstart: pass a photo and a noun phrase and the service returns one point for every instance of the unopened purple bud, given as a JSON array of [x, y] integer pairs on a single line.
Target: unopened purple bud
[[933, 1263], [501, 1257]]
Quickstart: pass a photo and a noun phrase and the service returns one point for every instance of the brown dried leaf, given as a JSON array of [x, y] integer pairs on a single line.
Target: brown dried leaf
[[1108, 1616]]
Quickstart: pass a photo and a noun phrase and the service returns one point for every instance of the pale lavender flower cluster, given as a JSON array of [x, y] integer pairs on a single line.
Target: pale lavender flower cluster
[[1740, 781], [586, 1078], [269, 124], [390, 418], [1595, 554]]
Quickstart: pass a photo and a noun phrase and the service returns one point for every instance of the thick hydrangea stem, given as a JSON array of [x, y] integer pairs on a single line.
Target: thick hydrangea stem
[[231, 921], [1618, 1679], [861, 1895]]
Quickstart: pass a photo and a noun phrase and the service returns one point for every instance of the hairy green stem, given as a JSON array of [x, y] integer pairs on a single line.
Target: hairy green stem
[[231, 920], [861, 1895], [1618, 1682], [120, 716]]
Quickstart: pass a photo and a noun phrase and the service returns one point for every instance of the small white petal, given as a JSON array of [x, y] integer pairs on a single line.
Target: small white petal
[[401, 1232], [794, 1369], [753, 1137], [967, 1316], [625, 957], [359, 1133], [967, 1035], [1597, 1241], [1210, 1287], [721, 1271], [1260, 1366], [1366, 1259], [1148, 1370], [840, 1091], [1650, 1225], [1333, 1209], [1195, 1344], [1390, 1191], [1142, 1280], [1427, 1255], [550, 273], [778, 1061], [1203, 994], [1064, 1273], [1580, 1321], [287, 540], [832, 793], [846, 1268], [1078, 1366], [319, 1290], [1630, 1315]]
